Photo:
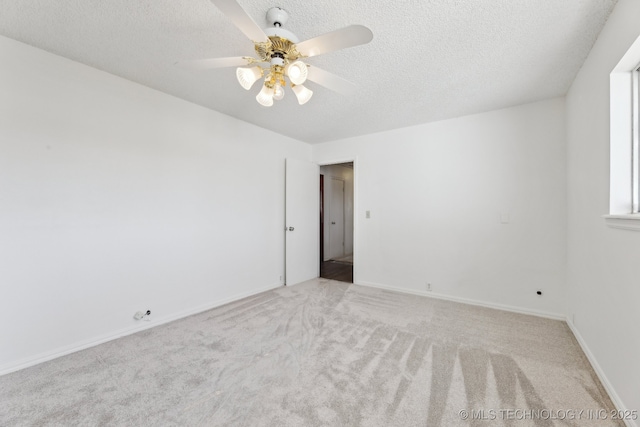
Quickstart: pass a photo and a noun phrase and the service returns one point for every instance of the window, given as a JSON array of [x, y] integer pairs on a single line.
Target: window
[[624, 186], [635, 149]]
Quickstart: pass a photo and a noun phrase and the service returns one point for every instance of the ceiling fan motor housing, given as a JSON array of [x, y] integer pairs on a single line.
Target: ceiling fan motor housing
[[282, 48]]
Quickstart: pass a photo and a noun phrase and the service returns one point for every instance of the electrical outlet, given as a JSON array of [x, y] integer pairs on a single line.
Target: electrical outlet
[[142, 315], [429, 287]]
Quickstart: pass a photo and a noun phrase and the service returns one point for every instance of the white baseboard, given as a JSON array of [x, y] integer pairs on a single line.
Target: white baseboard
[[468, 301], [600, 373], [82, 345]]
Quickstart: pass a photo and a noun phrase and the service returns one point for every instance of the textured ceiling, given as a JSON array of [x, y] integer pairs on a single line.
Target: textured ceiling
[[429, 59]]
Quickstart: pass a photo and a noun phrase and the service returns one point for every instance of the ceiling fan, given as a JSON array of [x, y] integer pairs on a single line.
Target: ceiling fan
[[280, 54]]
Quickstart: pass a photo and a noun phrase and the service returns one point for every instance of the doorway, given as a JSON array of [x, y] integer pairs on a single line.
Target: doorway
[[336, 221]]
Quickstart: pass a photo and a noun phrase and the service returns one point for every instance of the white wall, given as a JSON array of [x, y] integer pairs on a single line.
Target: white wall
[[116, 198], [345, 174], [436, 193], [603, 263]]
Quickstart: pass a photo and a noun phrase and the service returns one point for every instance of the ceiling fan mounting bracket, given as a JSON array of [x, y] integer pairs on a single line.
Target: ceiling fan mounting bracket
[[277, 17]]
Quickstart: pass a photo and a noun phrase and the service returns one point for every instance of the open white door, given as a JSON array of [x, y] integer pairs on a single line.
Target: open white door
[[302, 212]]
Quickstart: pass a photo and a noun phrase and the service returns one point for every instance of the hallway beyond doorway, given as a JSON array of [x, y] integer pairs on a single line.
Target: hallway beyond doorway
[[337, 198], [337, 270]]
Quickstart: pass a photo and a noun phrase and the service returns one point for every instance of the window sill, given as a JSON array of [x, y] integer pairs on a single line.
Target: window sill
[[623, 221]]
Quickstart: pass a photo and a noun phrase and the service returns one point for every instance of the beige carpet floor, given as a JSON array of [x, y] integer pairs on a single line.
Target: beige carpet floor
[[322, 353]]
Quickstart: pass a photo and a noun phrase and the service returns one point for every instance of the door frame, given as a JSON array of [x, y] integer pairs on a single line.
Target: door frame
[[321, 218], [356, 207]]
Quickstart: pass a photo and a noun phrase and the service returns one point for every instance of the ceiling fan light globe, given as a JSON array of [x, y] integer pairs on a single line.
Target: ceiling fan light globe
[[302, 93], [297, 72], [265, 97], [278, 92], [248, 76]]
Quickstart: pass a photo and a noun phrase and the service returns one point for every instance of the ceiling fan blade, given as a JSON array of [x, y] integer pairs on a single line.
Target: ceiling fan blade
[[239, 17], [205, 64], [350, 36], [331, 81]]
